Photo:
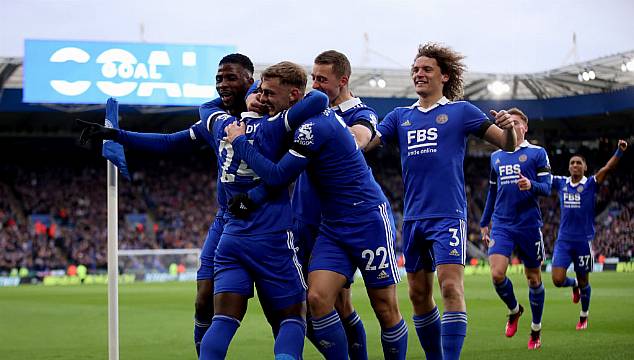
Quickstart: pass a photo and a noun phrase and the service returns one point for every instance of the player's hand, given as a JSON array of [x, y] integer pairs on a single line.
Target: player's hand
[[241, 206], [234, 130], [93, 131], [524, 183], [254, 104], [622, 145], [503, 119], [485, 233]]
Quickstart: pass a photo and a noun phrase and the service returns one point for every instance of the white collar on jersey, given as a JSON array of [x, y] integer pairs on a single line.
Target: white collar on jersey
[[348, 104], [582, 181], [442, 101], [249, 114]]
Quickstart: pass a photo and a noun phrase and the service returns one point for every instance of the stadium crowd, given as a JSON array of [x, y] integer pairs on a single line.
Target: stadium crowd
[[53, 216]]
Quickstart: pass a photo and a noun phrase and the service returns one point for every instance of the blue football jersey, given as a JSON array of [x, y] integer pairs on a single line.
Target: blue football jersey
[[577, 207], [514, 207], [305, 202], [199, 132], [337, 169], [432, 144], [269, 136]]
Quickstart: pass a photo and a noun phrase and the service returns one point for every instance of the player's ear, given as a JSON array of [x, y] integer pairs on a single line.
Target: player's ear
[[343, 81], [295, 95]]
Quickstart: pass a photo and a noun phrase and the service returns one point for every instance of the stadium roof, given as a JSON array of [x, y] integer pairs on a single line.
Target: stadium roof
[[396, 83]]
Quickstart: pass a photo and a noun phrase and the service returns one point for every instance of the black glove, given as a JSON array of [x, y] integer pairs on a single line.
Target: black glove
[[93, 131], [241, 206]]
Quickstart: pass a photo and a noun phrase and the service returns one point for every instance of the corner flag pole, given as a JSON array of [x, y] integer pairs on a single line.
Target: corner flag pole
[[113, 265]]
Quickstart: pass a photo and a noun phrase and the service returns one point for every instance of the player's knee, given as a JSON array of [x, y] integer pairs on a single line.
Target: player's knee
[[204, 306], [343, 305], [420, 297], [498, 276], [319, 304], [386, 312], [452, 291], [558, 281]]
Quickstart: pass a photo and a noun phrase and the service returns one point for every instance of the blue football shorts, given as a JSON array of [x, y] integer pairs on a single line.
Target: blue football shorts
[[267, 261], [206, 267], [528, 244], [364, 241], [577, 252], [428, 243]]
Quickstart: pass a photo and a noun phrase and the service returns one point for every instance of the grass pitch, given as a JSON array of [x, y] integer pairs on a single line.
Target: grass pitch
[[38, 322]]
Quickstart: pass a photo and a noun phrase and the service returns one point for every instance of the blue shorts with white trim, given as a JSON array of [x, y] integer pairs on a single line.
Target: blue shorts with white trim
[[268, 261]]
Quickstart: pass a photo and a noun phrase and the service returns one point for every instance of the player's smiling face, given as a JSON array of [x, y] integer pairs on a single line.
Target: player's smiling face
[[326, 81], [577, 167], [276, 96], [232, 84], [427, 77]]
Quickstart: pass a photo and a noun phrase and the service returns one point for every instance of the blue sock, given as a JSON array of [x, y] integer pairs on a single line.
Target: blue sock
[[585, 298], [330, 336], [454, 330], [200, 328], [505, 292], [355, 333], [536, 297], [310, 333], [569, 282], [394, 341], [217, 339], [428, 331], [289, 343]]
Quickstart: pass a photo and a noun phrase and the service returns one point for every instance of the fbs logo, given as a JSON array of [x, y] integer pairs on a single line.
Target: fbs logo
[[454, 252], [406, 123], [382, 275]]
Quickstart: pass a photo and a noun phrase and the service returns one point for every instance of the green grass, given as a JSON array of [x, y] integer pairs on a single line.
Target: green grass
[[38, 322]]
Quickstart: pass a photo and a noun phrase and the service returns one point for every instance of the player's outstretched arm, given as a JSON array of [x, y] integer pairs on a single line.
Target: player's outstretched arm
[[95, 132], [612, 163], [502, 133], [159, 143], [273, 174]]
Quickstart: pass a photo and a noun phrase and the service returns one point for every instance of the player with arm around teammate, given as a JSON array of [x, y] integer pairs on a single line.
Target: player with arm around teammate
[[331, 73], [432, 136], [512, 209], [256, 247], [357, 229], [233, 79], [576, 228]]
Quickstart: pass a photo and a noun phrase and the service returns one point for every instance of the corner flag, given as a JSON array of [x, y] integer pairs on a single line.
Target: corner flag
[[111, 150]]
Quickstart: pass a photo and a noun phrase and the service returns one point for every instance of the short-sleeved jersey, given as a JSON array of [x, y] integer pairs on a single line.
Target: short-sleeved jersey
[[432, 143], [305, 201], [576, 201], [337, 169], [269, 136], [514, 207]]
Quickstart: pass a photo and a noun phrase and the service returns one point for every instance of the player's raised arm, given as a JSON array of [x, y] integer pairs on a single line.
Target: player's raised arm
[[312, 104], [502, 134], [612, 163]]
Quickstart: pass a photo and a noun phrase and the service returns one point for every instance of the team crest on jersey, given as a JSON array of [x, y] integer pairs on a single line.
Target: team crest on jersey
[[442, 118], [305, 134], [406, 123], [523, 157], [580, 188]]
